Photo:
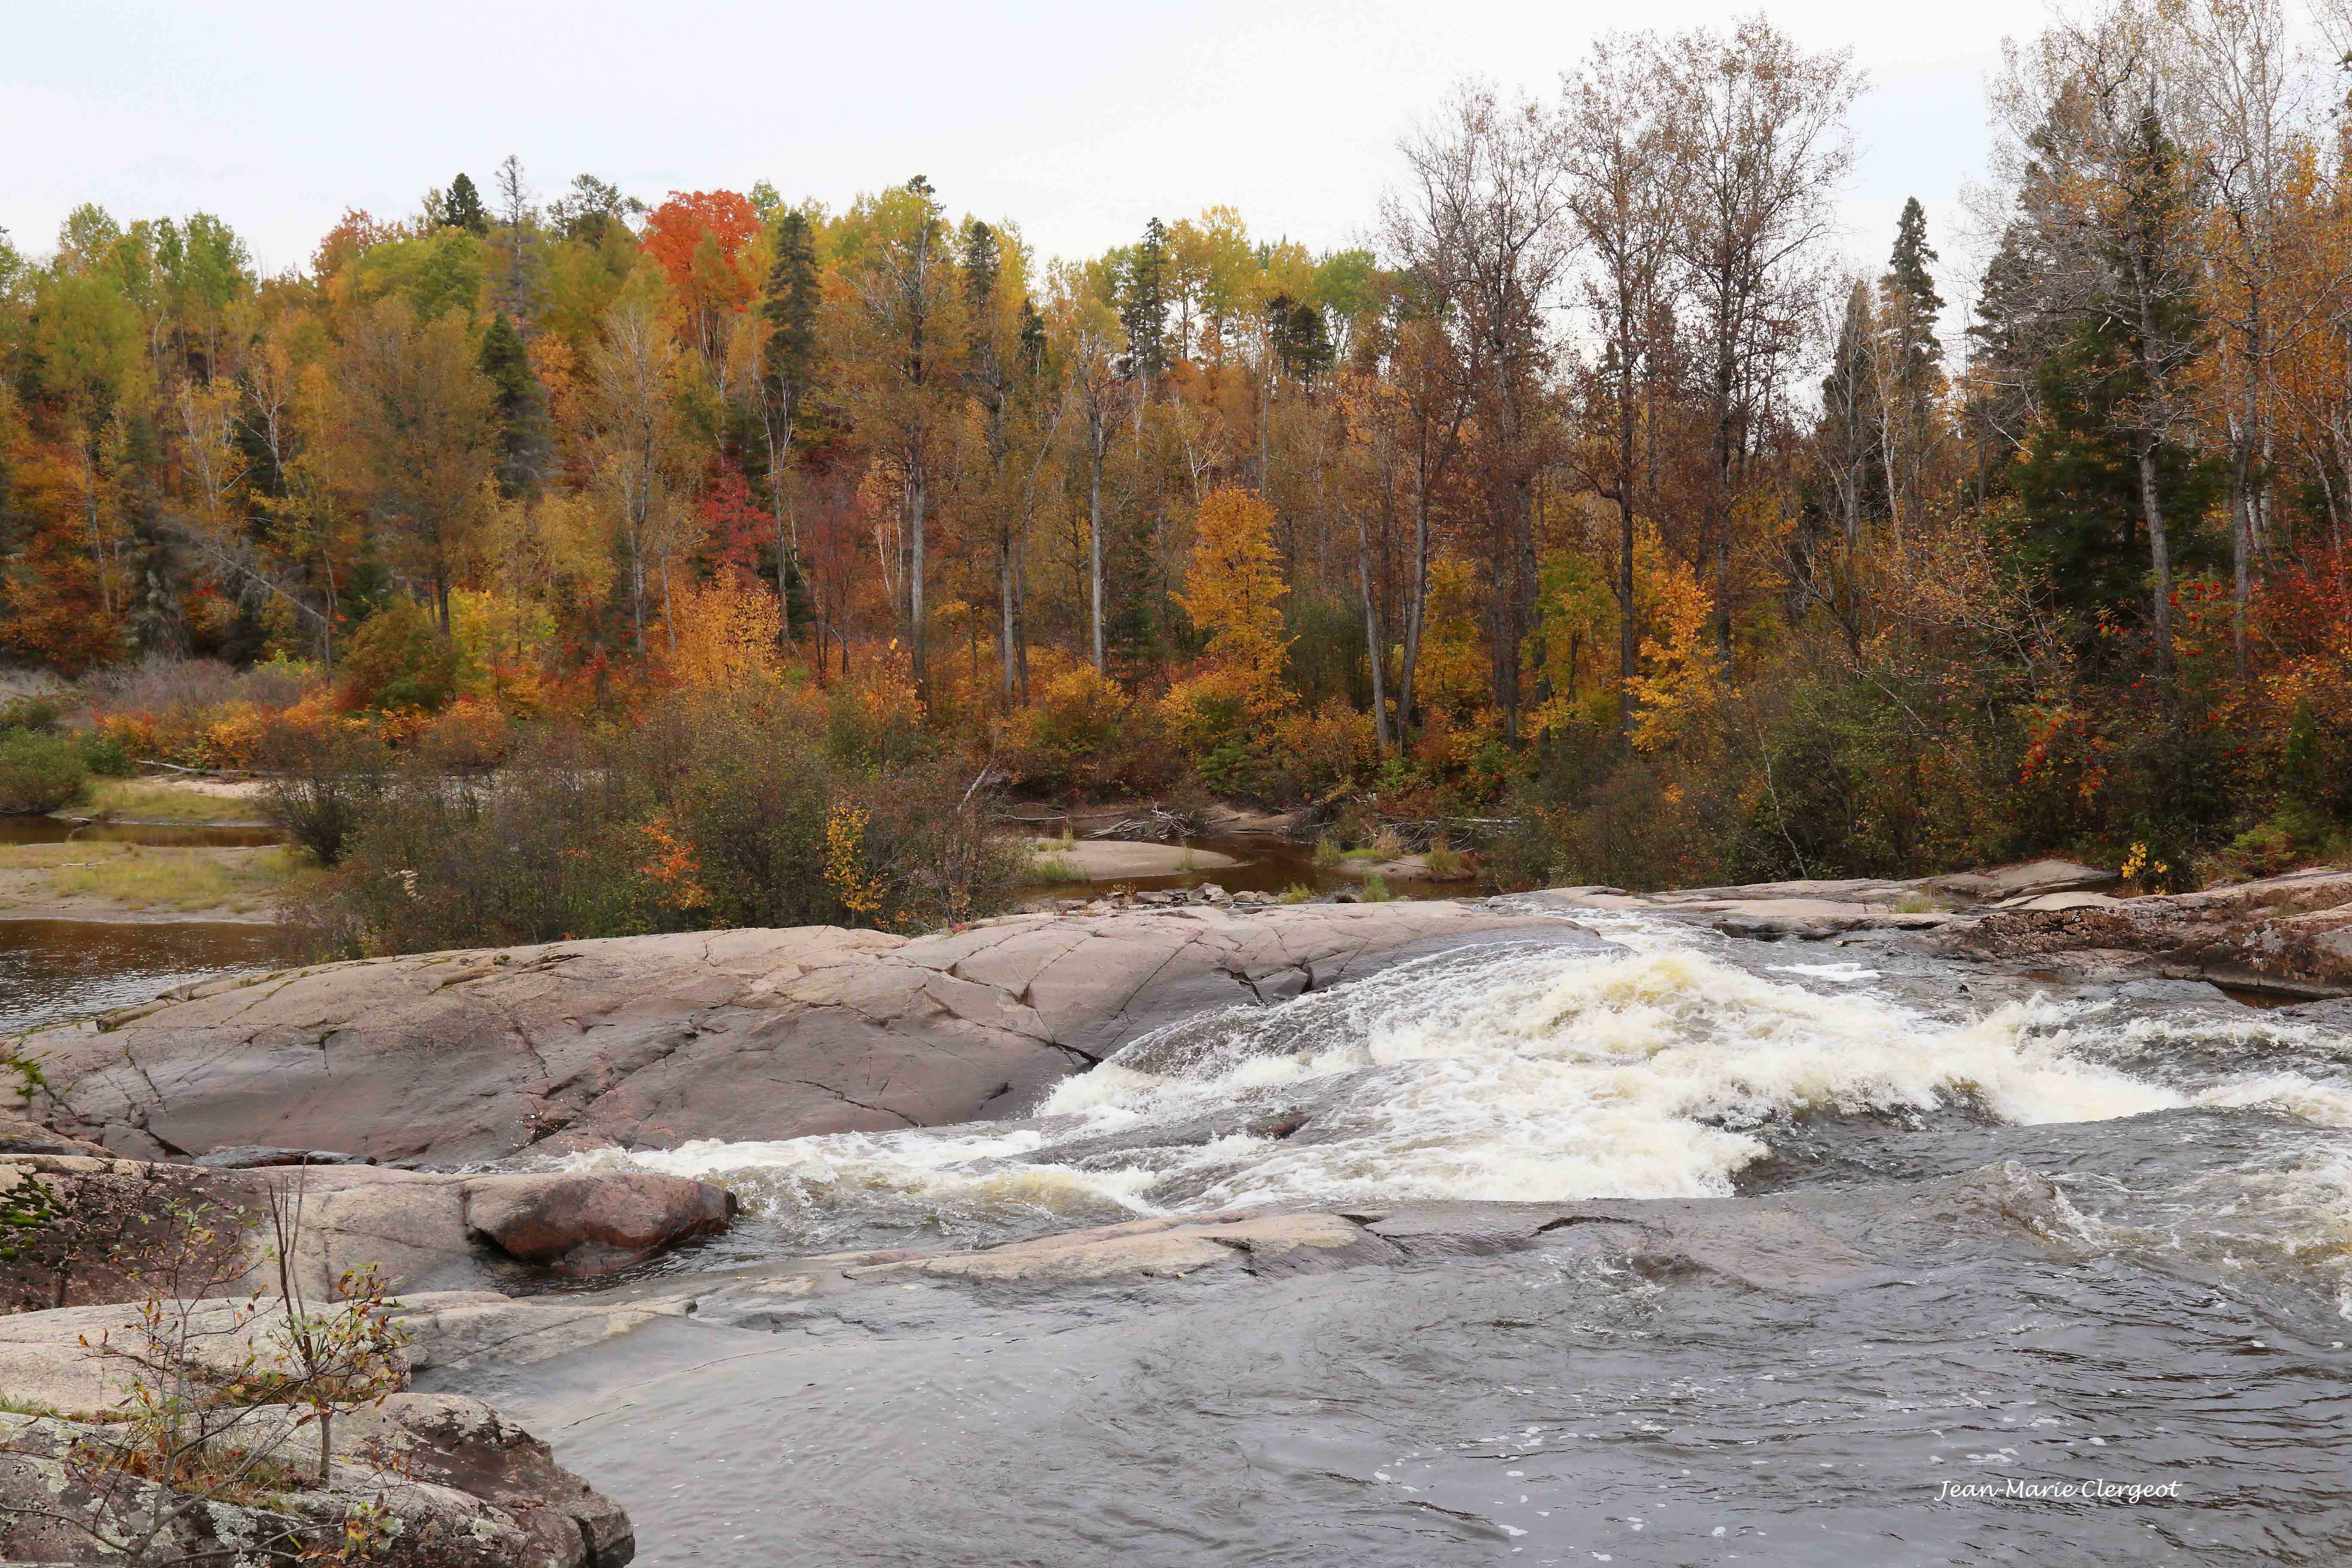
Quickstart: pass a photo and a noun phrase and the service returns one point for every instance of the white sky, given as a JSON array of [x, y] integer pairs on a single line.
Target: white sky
[[1076, 120]]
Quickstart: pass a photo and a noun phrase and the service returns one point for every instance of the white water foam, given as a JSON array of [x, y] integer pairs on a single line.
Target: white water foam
[[1510, 1074]]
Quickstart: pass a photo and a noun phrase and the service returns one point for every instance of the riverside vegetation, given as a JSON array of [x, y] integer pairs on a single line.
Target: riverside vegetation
[[587, 563]]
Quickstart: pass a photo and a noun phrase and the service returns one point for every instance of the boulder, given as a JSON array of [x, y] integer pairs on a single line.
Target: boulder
[[1773, 911], [2024, 879], [595, 1222], [652, 1041], [419, 1230]]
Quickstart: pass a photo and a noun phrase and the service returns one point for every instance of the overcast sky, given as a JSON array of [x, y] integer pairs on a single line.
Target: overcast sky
[[1076, 120]]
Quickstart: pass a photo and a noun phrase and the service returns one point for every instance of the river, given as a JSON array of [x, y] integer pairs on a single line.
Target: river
[[54, 970], [1906, 1248]]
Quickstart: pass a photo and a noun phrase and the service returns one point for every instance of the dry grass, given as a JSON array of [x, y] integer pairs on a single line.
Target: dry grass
[[144, 878], [146, 800], [1049, 861]]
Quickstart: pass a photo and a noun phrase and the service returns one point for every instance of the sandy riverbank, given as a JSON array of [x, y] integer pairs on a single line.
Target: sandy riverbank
[[1108, 860]]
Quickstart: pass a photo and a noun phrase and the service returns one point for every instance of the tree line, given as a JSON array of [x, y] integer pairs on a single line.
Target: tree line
[[1601, 480]]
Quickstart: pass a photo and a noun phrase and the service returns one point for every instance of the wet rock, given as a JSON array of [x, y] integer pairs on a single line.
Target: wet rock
[[255, 1156], [1160, 1248], [587, 1224], [652, 1041]]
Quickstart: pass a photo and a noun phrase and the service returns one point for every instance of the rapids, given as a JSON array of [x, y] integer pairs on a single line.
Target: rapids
[[2109, 1240]]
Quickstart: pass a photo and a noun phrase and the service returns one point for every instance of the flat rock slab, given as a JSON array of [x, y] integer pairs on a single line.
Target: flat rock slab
[[652, 1041]]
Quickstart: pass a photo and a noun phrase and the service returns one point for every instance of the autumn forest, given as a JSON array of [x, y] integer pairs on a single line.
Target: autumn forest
[[1604, 502]]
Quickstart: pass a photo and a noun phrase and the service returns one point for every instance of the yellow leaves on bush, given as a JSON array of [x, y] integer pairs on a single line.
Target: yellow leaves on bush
[[845, 861], [229, 736], [1330, 746], [231, 740], [725, 635], [1453, 674], [1203, 710], [1074, 709], [470, 733]]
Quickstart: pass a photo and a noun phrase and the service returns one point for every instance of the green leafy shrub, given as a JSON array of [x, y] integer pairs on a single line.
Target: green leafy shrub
[[399, 661], [40, 712], [1444, 861], [716, 812], [104, 755], [39, 772]]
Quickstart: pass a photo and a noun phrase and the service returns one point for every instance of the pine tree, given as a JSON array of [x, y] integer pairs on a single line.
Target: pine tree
[[1909, 290], [525, 441], [1143, 304], [789, 306], [462, 208], [789, 361]]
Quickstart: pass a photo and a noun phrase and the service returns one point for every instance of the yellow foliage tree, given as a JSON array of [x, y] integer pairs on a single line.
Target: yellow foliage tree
[[725, 635], [1679, 676], [1233, 587], [1682, 678]]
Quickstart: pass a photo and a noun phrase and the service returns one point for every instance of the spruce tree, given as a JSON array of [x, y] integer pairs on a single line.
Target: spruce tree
[[1910, 290], [524, 441], [789, 306], [1032, 339], [1143, 303], [463, 207]]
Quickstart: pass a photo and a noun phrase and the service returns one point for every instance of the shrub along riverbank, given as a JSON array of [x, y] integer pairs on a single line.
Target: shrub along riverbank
[[773, 807]]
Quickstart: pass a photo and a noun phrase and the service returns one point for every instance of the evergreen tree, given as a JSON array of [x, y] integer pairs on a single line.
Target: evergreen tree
[[2080, 484], [1301, 342], [788, 304], [520, 406], [983, 265], [1850, 428], [1909, 290], [1143, 304], [789, 307], [462, 208], [1032, 339]]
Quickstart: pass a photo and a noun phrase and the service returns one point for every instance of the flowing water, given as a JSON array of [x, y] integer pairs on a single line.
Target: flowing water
[[2015, 1238]]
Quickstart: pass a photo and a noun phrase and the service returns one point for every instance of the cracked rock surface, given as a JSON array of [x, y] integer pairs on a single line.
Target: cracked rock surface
[[654, 1041], [2290, 934]]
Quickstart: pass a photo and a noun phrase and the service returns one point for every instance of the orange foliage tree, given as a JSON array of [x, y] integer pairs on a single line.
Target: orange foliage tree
[[700, 239]]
